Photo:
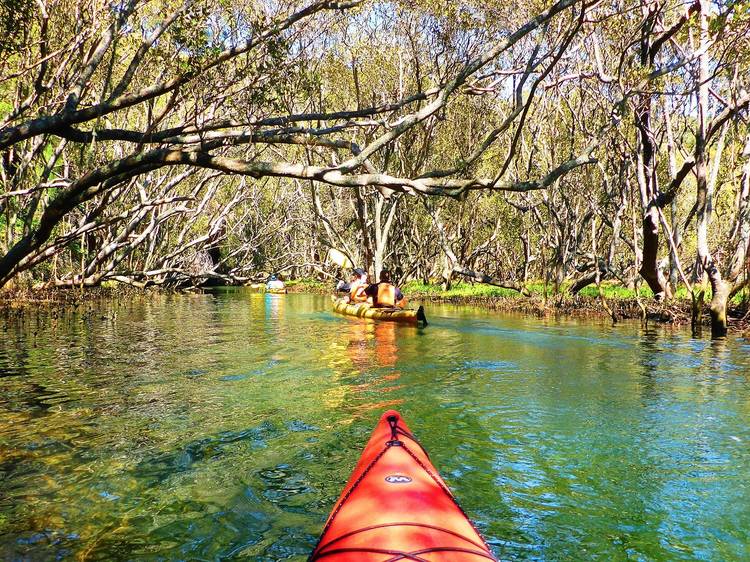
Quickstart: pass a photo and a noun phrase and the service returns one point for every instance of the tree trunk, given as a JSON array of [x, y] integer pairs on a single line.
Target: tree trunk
[[362, 219], [704, 199], [526, 256], [650, 270], [646, 167], [719, 308], [382, 231]]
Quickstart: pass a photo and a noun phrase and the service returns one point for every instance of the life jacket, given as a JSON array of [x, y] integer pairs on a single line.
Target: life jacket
[[386, 294]]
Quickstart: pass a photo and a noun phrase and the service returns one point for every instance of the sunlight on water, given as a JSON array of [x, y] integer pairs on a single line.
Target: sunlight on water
[[225, 425]]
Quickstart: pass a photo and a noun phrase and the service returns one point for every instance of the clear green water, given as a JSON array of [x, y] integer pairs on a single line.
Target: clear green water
[[223, 426]]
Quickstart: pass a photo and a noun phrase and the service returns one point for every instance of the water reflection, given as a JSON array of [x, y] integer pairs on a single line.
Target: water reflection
[[373, 343], [362, 360], [224, 425]]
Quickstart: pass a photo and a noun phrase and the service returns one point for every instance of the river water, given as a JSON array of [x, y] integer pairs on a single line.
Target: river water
[[224, 425]]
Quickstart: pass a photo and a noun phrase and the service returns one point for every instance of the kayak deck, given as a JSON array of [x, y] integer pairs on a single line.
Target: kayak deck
[[397, 507], [365, 310]]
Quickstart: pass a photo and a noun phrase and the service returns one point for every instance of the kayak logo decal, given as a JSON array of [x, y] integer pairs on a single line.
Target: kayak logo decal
[[397, 479]]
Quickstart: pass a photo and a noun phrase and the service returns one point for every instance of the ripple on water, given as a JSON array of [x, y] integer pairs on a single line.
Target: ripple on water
[[224, 426]]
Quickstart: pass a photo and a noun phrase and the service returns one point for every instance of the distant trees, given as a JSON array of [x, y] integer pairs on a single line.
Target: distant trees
[[176, 142], [109, 94]]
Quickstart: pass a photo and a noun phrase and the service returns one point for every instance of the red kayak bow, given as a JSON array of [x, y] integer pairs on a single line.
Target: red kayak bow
[[396, 507]]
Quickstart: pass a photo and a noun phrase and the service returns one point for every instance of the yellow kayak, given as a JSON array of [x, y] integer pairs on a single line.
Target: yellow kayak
[[365, 310], [276, 291]]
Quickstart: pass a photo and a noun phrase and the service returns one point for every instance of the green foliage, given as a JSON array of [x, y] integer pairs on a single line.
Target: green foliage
[[468, 290], [616, 291], [308, 285], [16, 17]]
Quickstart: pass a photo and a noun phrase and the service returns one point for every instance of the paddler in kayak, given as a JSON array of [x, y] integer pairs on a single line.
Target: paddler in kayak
[[357, 287], [384, 293], [274, 283], [346, 286]]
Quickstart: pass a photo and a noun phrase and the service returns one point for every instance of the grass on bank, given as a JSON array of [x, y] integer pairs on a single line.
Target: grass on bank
[[611, 291], [468, 290], [414, 289], [306, 285]]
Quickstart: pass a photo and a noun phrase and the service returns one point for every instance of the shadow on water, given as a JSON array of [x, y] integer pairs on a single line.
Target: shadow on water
[[164, 465]]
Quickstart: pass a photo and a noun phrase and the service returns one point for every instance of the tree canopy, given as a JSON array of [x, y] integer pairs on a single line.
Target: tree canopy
[[176, 141]]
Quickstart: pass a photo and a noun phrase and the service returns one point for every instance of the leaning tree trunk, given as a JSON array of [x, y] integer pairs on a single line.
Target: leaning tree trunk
[[650, 270], [646, 165]]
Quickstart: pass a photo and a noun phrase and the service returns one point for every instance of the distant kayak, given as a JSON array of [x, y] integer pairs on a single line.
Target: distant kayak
[[364, 310], [264, 288], [396, 507]]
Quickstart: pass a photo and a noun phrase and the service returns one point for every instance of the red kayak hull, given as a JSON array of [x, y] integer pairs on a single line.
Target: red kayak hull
[[397, 507]]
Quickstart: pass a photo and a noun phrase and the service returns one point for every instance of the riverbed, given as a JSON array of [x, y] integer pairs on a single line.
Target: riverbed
[[224, 425]]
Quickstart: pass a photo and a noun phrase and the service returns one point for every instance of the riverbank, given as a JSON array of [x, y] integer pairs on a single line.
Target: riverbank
[[623, 303], [16, 301], [11, 299]]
